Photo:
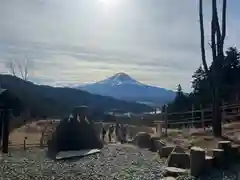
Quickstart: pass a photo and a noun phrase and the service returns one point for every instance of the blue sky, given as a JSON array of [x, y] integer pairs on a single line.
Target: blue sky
[[81, 41]]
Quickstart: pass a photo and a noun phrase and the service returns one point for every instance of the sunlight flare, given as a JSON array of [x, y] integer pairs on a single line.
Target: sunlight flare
[[110, 3]]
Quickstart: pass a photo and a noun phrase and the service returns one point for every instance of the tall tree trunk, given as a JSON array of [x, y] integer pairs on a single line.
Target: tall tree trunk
[[215, 77], [217, 45]]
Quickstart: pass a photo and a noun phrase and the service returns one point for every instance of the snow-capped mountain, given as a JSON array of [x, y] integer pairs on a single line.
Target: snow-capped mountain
[[122, 86], [119, 79]]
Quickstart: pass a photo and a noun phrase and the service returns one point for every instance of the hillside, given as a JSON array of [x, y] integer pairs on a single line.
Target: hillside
[[51, 101], [122, 86]]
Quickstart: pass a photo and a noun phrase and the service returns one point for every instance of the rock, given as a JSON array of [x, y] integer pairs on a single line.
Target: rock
[[175, 172], [143, 140], [166, 151], [179, 160], [197, 156], [74, 134]]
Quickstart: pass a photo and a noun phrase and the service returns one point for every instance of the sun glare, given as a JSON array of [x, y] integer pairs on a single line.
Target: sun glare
[[109, 3]]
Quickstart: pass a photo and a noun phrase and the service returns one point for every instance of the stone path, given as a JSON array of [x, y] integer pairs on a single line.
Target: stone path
[[114, 162]]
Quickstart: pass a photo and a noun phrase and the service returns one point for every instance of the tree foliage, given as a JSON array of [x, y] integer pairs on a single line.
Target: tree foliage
[[229, 81]]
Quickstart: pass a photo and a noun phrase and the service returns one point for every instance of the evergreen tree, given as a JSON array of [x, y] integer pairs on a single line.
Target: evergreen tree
[[179, 91], [198, 77], [229, 83]]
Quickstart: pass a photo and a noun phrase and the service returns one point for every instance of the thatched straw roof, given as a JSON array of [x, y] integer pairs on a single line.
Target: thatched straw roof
[[75, 134]]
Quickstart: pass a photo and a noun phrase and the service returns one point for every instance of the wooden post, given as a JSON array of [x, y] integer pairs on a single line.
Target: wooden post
[[25, 143], [166, 120], [1, 126], [223, 113], [41, 140], [202, 116], [5, 134], [192, 115]]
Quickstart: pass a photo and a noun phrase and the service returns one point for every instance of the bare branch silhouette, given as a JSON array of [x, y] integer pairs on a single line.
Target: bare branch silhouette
[[20, 67]]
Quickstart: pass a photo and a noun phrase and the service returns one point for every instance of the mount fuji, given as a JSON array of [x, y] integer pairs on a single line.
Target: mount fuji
[[122, 86]]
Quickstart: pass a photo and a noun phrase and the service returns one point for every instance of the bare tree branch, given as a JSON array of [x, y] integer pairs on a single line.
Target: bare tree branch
[[210, 45], [23, 68], [11, 66], [224, 14], [202, 37], [217, 28], [213, 30], [26, 68], [19, 68]]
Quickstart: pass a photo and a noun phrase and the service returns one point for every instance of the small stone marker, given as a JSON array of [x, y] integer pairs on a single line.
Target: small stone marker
[[197, 156]]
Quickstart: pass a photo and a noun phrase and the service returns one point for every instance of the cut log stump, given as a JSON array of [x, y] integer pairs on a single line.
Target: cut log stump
[[209, 160], [159, 145], [218, 157], [142, 140], [226, 146], [197, 156], [179, 149], [154, 144], [166, 151], [179, 160], [235, 152]]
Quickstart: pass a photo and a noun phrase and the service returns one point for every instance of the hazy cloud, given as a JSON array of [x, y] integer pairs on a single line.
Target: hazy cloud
[[157, 42]]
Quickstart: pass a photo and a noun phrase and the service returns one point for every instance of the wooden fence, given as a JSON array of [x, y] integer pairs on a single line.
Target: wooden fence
[[199, 118]]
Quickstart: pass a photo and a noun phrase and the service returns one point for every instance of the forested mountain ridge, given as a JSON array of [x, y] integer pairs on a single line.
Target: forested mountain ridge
[[56, 101]]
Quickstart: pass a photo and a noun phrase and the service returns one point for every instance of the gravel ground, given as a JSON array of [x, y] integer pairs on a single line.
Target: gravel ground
[[115, 162]]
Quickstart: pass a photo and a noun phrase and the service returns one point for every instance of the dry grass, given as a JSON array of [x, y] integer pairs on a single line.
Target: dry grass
[[183, 137], [200, 137], [32, 131]]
